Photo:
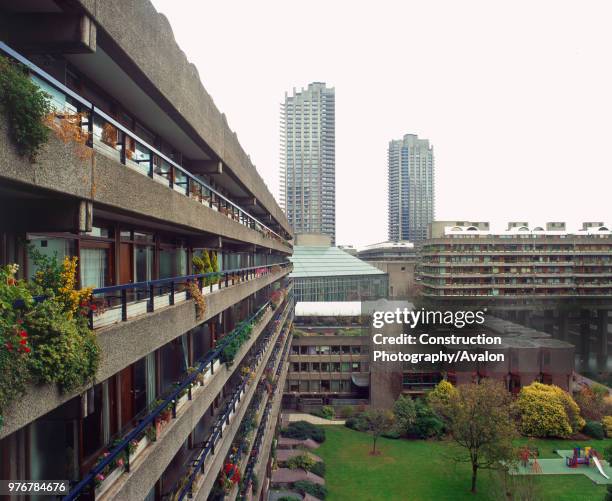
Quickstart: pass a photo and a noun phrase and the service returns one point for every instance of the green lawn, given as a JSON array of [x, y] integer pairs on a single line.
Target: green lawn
[[417, 470]]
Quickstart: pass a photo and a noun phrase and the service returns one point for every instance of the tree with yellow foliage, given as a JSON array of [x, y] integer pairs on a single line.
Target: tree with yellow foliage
[[548, 411]]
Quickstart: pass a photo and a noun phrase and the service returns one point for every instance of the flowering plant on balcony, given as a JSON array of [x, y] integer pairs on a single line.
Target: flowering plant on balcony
[[276, 298], [14, 345], [229, 476], [47, 340], [196, 295]]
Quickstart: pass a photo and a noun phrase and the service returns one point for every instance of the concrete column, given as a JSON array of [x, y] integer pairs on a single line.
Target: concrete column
[[563, 325], [549, 321], [585, 334], [602, 337]]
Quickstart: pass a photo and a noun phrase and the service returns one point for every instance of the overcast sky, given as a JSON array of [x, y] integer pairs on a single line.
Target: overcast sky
[[516, 97]]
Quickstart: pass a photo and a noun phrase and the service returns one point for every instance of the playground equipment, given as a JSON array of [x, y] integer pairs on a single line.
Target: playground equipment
[[526, 454], [587, 456], [598, 464]]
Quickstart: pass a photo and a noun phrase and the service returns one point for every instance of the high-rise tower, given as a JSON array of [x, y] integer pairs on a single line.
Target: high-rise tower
[[411, 188], [308, 160]]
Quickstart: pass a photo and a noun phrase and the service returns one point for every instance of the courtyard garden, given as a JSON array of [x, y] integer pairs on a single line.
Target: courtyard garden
[[423, 470]]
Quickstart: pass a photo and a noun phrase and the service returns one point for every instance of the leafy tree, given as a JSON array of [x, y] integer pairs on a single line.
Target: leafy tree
[[594, 429], [427, 423], [607, 424], [548, 411], [405, 414], [441, 395], [592, 402], [378, 421], [479, 418]]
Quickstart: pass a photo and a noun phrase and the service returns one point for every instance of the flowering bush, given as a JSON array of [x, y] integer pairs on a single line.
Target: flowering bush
[[14, 344], [548, 411], [277, 297], [229, 476], [48, 341]]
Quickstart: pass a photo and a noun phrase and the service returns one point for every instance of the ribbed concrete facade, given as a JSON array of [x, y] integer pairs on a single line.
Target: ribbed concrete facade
[[158, 182]]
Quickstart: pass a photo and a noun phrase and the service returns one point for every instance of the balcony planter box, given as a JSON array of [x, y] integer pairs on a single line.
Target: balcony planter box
[[108, 481], [142, 445], [207, 289], [181, 401]]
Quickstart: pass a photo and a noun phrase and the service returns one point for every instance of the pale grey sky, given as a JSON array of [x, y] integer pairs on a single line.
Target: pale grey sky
[[516, 97]]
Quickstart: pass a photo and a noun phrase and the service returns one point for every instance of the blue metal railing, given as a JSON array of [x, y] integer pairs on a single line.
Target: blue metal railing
[[171, 400], [192, 185], [210, 443], [249, 471], [172, 283]]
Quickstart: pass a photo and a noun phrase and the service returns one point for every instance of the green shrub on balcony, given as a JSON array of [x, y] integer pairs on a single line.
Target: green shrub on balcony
[[231, 348], [25, 107]]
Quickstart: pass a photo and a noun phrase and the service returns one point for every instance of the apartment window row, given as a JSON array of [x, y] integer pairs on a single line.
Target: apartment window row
[[329, 367]]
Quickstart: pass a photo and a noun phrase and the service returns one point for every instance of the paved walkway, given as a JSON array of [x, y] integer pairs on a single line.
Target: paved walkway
[[287, 476], [291, 417], [292, 443]]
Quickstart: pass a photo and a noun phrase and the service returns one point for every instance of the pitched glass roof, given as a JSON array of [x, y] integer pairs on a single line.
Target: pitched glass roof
[[316, 261]]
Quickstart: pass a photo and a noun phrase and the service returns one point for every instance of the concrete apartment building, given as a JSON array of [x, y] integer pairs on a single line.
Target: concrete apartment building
[[160, 178], [543, 276], [308, 160], [329, 357], [397, 260], [528, 355], [411, 176]]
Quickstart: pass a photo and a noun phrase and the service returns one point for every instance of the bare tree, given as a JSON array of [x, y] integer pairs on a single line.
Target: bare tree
[[378, 421]]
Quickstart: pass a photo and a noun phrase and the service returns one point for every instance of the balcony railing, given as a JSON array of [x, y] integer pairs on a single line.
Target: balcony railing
[[261, 430], [122, 302], [144, 158], [206, 367], [199, 465]]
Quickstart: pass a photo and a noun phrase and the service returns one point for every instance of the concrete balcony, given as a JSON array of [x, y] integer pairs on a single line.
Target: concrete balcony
[[262, 415], [205, 475], [269, 432], [110, 185], [150, 465], [118, 349]]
